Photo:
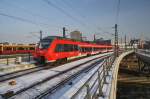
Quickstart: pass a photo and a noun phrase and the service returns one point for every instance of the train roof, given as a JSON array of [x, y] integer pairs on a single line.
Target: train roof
[[62, 38], [50, 37], [59, 37]]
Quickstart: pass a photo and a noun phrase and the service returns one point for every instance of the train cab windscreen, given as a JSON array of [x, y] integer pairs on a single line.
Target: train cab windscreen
[[45, 43]]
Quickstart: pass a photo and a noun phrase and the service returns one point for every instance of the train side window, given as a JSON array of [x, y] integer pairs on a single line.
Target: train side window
[[83, 49], [96, 49], [86, 49], [79, 48], [90, 49], [71, 47], [59, 48], [75, 48], [66, 48]]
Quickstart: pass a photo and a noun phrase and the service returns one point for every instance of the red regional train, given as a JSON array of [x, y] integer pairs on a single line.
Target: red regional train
[[54, 48]]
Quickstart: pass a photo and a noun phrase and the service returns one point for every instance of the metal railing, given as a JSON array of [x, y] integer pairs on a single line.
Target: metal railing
[[93, 87]]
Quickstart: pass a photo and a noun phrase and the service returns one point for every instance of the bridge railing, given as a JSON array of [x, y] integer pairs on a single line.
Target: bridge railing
[[93, 87]]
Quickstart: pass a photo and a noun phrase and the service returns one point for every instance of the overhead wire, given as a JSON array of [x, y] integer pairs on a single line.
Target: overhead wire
[[69, 15], [43, 24], [24, 20], [27, 11], [18, 18], [38, 15], [33, 14], [70, 6], [65, 12], [83, 17], [116, 20]]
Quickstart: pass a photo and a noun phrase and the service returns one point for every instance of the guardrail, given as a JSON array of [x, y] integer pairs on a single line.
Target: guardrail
[[99, 83], [93, 86]]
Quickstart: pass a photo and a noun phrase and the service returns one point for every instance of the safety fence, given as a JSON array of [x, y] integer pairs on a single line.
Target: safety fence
[[96, 84]]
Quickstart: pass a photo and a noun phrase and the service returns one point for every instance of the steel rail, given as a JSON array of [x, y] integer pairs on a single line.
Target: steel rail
[[55, 88], [51, 77], [20, 73]]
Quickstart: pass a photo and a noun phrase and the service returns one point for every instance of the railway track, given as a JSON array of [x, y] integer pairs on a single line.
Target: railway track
[[59, 85], [56, 75], [20, 73]]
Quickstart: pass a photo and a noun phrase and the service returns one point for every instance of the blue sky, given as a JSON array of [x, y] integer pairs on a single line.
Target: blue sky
[[87, 16]]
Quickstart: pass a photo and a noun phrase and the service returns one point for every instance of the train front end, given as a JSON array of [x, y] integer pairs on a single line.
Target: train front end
[[42, 50]]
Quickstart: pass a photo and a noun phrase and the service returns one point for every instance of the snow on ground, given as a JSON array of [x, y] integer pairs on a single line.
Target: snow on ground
[[27, 80], [6, 66], [68, 94], [15, 67], [72, 64], [49, 84], [82, 93]]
